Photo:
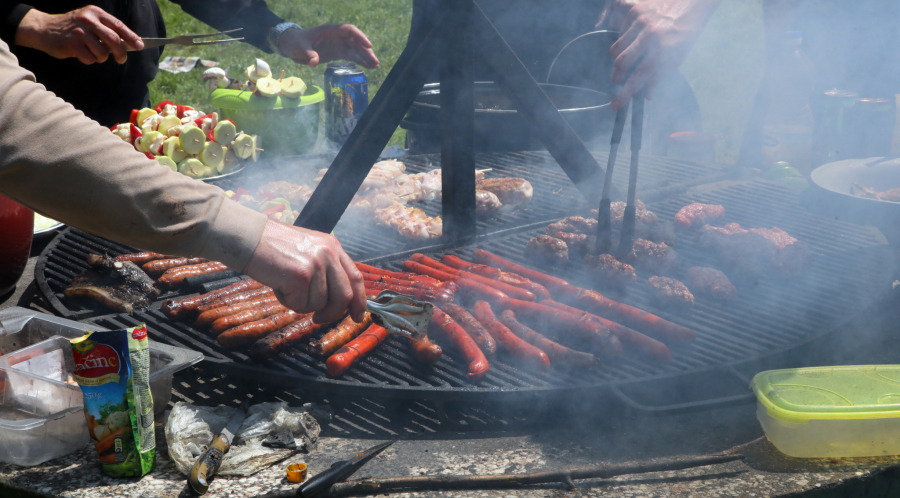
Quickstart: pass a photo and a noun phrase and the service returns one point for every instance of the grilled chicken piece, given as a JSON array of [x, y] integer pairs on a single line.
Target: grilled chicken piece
[[514, 193], [120, 285], [606, 268], [651, 256], [696, 215], [710, 281], [487, 204], [545, 250], [578, 243], [892, 195], [573, 224], [411, 223], [670, 292]]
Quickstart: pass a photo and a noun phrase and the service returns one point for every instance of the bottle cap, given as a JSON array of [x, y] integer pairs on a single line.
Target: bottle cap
[[296, 472]]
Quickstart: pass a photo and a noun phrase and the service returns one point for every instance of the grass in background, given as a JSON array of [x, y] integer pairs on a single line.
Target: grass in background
[[385, 22]]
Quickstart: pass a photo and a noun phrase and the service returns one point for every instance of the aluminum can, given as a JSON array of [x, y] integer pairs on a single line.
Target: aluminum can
[[329, 84], [350, 99], [873, 126], [832, 139]]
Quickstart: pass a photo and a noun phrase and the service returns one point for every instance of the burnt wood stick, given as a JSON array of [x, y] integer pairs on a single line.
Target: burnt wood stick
[[564, 476]]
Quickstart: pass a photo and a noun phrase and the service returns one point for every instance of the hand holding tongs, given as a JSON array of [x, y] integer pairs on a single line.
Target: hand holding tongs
[[187, 40], [604, 223], [400, 314]]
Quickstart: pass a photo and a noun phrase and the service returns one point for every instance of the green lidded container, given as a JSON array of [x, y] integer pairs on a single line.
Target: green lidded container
[[285, 127], [828, 412]]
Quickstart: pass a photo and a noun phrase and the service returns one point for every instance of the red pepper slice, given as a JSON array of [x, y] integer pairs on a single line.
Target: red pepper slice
[[242, 191], [179, 111], [150, 155], [162, 105], [199, 121], [114, 127], [134, 115], [274, 209], [269, 195], [209, 135], [135, 133]]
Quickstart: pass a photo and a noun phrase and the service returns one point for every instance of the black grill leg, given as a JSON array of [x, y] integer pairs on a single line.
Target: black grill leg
[[458, 124]]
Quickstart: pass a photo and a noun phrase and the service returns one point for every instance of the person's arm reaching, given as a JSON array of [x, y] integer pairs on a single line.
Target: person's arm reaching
[[659, 33], [66, 166]]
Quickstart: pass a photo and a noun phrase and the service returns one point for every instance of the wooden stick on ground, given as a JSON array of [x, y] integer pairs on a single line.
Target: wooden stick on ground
[[565, 476]]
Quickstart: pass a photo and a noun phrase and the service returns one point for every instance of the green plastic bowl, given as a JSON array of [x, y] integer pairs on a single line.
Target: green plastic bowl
[[285, 127]]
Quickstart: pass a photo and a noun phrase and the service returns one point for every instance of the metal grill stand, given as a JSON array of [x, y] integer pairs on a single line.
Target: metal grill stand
[[449, 31]]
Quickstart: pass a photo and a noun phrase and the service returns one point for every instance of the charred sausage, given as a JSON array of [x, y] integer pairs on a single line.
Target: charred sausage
[[426, 351], [345, 357], [509, 290], [337, 337], [371, 270], [589, 331], [431, 283], [175, 276], [461, 264], [179, 307], [557, 353], [643, 343], [246, 316], [160, 265], [512, 279], [510, 342], [478, 364], [240, 297], [248, 333], [468, 286], [276, 341], [142, 257], [435, 295], [208, 317], [472, 326]]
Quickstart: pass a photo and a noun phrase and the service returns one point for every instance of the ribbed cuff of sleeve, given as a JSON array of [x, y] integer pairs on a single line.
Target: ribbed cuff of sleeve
[[235, 234], [10, 17]]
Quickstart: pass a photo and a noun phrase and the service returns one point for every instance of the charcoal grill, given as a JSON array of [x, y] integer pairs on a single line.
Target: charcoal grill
[[763, 328]]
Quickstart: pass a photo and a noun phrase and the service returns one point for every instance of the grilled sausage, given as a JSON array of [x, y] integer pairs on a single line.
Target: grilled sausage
[[512, 279], [345, 357], [246, 316], [509, 290], [179, 307], [208, 317], [337, 337], [510, 342], [240, 297], [468, 286], [160, 265], [643, 343], [557, 353], [437, 296], [175, 276], [589, 331], [461, 264], [473, 327], [521, 282], [248, 333], [478, 364], [395, 274], [431, 283], [594, 301], [426, 351], [276, 341], [140, 258]]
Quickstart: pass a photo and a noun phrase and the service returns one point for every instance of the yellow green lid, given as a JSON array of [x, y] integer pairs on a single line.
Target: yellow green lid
[[799, 395], [248, 101]]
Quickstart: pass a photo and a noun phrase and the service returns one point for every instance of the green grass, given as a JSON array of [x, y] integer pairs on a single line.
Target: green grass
[[385, 22]]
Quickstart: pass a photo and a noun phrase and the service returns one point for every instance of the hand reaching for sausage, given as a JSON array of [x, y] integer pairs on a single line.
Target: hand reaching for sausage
[[659, 33], [326, 43], [90, 34], [309, 272]]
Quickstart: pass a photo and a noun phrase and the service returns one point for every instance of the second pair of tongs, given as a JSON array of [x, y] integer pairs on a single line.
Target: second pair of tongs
[[187, 40], [604, 221]]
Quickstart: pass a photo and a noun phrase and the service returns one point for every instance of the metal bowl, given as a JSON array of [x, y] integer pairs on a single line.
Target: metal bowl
[[832, 193], [498, 126]]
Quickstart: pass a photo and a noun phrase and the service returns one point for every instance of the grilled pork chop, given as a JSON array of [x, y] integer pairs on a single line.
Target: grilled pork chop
[[514, 193], [120, 285]]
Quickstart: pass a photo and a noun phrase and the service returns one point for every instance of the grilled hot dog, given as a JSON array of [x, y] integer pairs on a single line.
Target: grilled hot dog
[[248, 333], [478, 364], [179, 307], [472, 326], [335, 338], [510, 342]]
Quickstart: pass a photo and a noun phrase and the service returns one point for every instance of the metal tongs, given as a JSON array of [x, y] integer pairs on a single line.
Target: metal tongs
[[400, 314], [604, 222], [187, 40], [340, 470]]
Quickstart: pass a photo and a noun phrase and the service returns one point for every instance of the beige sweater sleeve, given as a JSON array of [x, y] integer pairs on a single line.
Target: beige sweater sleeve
[[68, 167]]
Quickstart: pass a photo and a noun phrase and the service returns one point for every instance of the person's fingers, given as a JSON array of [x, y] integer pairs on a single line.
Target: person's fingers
[[318, 287], [340, 293], [308, 57], [635, 82], [123, 34], [355, 35], [367, 58], [99, 50], [112, 41], [627, 57], [357, 305], [84, 54]]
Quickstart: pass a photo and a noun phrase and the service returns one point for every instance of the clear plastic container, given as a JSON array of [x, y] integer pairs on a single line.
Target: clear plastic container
[[820, 412]]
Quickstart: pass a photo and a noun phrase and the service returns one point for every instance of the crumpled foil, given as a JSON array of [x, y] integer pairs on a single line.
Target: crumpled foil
[[190, 429]]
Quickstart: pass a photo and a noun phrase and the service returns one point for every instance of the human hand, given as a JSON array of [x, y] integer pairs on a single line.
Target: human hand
[[326, 43], [89, 33], [309, 272], [658, 33]]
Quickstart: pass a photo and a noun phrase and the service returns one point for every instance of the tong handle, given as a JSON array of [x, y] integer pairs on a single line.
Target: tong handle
[[637, 125]]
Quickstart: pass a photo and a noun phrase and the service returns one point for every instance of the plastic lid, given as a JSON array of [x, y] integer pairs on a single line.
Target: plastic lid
[[798, 395], [246, 101]]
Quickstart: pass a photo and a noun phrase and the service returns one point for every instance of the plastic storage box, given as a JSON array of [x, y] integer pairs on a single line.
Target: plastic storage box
[[820, 412], [41, 414]]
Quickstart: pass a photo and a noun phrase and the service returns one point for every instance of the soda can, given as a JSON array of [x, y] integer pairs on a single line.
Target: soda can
[[350, 99], [832, 140], [329, 84]]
